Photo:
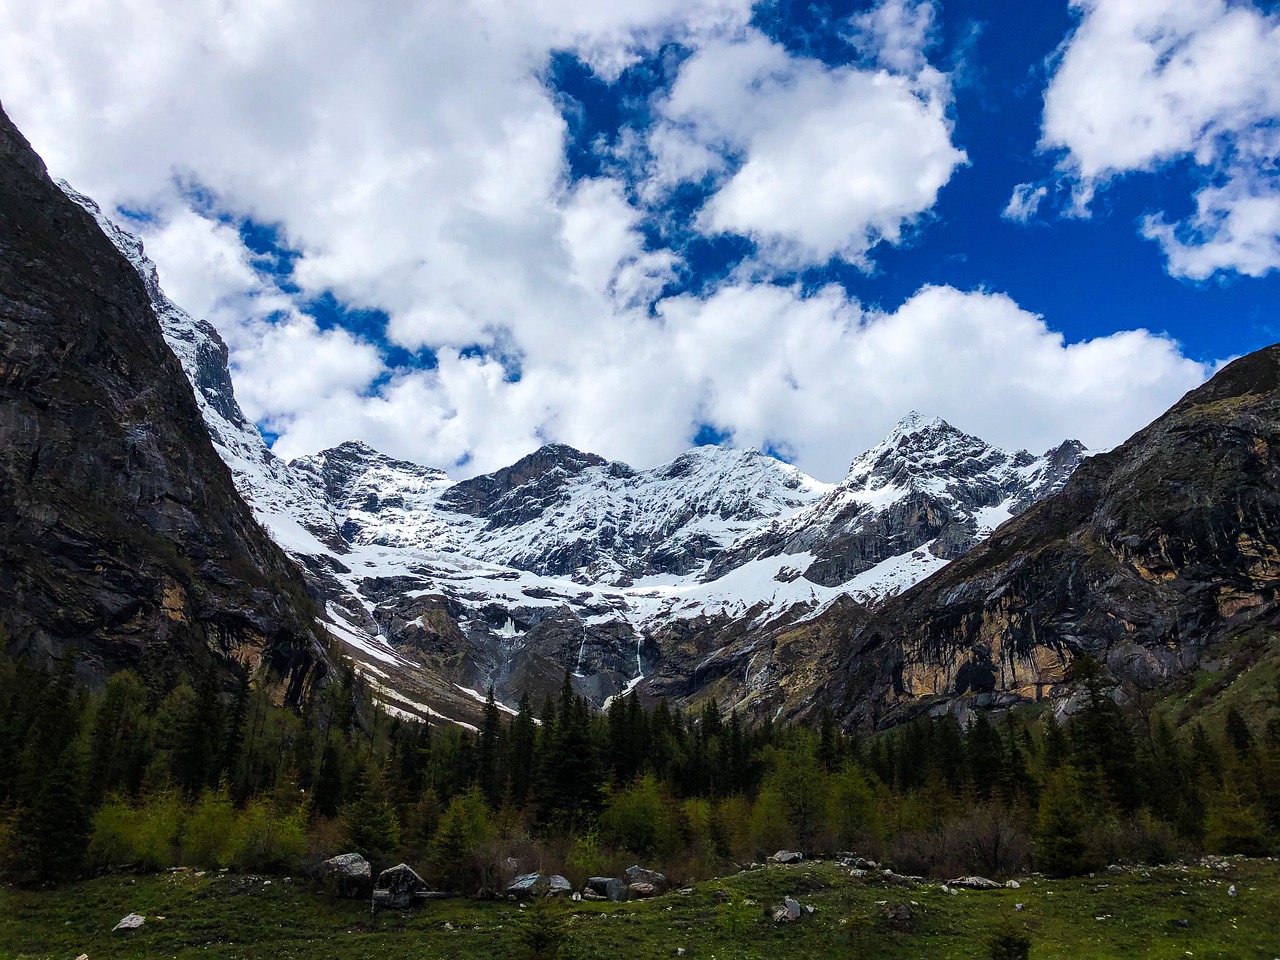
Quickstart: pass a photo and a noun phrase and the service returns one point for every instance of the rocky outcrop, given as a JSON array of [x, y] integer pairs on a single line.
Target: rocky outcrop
[[399, 887], [1148, 556], [927, 486], [346, 875], [123, 540]]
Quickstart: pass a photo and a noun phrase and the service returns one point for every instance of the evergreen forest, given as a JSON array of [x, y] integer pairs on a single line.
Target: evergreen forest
[[147, 775]]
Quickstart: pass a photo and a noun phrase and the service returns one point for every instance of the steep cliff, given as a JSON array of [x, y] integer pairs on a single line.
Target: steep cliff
[[123, 541], [1150, 556]]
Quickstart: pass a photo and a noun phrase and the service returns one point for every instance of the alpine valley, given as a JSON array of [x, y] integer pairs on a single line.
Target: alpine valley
[[668, 582], [941, 573]]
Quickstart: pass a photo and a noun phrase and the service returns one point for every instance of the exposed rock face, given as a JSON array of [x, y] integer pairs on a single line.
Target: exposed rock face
[[122, 536], [680, 581], [927, 486], [1149, 554]]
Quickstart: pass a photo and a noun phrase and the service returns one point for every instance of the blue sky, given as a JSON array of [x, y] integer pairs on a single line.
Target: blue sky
[[460, 231]]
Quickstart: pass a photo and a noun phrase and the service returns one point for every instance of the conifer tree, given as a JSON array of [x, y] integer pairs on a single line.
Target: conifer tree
[[1060, 848], [53, 832]]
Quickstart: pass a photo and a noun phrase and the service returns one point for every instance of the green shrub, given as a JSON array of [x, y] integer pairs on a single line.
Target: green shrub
[[146, 835], [208, 840], [269, 837]]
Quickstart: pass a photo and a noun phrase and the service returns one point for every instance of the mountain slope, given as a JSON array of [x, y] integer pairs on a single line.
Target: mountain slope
[[123, 541], [663, 580], [1148, 557]]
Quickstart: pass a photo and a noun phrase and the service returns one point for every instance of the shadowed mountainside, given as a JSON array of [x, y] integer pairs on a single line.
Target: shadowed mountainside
[[122, 536]]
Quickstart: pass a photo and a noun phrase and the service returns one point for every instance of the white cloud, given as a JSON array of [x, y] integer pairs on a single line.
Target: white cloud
[[832, 161], [819, 376], [416, 162], [895, 33], [1024, 202], [1142, 83]]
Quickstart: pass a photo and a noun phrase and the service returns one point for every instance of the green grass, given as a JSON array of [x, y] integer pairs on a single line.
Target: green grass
[[1126, 916]]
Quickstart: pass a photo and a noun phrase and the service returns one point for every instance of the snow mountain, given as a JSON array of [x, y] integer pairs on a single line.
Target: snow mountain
[[675, 581]]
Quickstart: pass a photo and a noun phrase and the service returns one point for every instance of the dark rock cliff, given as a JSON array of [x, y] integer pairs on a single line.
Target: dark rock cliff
[[123, 541], [1148, 556]]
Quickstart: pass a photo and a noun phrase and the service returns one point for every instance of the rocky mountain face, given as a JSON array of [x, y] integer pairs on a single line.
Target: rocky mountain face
[[1151, 558], [674, 581], [123, 540]]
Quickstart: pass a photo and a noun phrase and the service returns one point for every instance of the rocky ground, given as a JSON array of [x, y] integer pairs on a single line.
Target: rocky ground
[[1218, 908]]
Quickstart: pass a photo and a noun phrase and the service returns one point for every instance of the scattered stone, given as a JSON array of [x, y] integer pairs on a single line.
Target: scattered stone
[[950, 891], [638, 874], [592, 895], [679, 951], [685, 891], [448, 925], [1013, 885], [976, 883], [397, 887], [83, 956], [1018, 907], [524, 885], [558, 886], [1180, 922], [721, 896], [788, 911], [899, 879], [1232, 892], [576, 897], [857, 873], [132, 922], [642, 891], [610, 888], [897, 913], [787, 856], [1114, 869], [346, 875]]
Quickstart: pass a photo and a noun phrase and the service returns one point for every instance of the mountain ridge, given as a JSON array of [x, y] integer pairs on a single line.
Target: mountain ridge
[[567, 561]]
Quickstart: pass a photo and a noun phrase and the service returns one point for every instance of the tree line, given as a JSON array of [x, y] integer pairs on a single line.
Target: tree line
[[149, 775]]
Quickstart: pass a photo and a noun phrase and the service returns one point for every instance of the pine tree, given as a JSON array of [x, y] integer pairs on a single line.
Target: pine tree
[[1060, 848], [523, 747], [488, 752], [539, 931], [53, 832], [370, 825]]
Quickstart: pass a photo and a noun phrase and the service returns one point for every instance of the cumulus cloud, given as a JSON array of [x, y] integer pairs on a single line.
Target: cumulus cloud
[[819, 376], [1143, 83], [1024, 203], [415, 162], [895, 33], [829, 162]]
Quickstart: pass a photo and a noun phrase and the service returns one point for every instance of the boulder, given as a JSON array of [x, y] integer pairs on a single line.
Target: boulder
[[788, 911], [539, 885], [787, 856], [558, 886], [639, 874], [976, 883], [611, 888], [525, 885], [131, 922], [346, 875], [897, 913], [642, 891], [398, 887]]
